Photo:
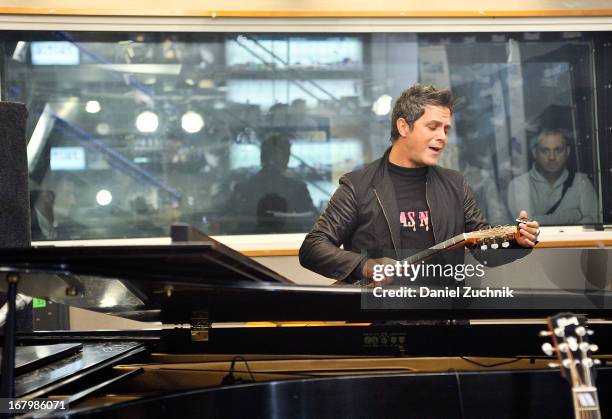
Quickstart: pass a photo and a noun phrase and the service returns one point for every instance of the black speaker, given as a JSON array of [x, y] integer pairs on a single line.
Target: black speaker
[[14, 196]]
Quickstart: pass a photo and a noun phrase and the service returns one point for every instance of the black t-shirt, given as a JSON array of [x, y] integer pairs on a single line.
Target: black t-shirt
[[415, 225]]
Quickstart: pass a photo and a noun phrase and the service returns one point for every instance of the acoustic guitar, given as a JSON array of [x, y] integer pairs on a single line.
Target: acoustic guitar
[[490, 238], [570, 344]]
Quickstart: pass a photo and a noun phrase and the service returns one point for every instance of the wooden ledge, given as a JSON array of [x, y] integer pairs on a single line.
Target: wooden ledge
[[318, 13]]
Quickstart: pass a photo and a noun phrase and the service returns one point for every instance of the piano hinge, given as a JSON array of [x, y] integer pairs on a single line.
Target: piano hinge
[[199, 326]]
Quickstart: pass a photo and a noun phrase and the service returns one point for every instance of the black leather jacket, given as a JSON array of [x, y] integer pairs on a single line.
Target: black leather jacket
[[361, 217]]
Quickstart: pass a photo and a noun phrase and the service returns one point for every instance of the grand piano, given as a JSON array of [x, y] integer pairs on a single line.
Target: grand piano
[[239, 340]]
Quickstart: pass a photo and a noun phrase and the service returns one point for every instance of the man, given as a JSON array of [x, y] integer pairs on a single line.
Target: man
[[271, 201], [401, 202], [549, 190]]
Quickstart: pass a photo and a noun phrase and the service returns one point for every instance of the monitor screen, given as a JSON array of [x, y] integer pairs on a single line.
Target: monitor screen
[[54, 53], [67, 158]]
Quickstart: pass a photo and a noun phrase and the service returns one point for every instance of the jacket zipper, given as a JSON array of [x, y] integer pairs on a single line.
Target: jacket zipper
[[387, 219], [433, 231]]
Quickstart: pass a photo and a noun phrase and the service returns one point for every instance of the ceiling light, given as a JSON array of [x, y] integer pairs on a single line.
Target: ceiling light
[[192, 122], [103, 128], [104, 197], [92, 106], [147, 121], [382, 105]]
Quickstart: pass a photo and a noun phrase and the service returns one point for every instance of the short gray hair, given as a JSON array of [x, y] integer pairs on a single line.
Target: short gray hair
[[411, 104], [546, 132]]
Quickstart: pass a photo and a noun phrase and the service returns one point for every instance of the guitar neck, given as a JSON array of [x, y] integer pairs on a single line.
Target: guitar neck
[[569, 336], [586, 403], [493, 236], [453, 242]]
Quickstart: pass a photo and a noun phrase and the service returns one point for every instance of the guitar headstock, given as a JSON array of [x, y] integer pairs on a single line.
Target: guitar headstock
[[492, 238], [570, 343]]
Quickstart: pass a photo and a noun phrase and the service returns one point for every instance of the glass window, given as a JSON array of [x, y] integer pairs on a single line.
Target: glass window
[[249, 133]]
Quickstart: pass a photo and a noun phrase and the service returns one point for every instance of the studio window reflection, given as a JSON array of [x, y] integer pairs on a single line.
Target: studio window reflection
[[250, 133], [271, 200]]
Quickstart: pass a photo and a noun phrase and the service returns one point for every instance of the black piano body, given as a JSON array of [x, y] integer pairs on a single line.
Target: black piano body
[[239, 340]]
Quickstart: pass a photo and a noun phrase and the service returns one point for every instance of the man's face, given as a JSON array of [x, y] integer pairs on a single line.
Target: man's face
[[551, 154], [423, 144]]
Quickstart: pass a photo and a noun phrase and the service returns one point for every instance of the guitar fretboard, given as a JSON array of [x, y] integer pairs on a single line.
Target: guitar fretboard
[[438, 248]]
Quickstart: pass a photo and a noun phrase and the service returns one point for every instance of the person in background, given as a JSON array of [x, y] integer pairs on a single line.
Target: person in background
[[272, 201], [551, 191]]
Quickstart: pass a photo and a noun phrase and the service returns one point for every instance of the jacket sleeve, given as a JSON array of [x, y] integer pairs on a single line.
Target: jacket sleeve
[[321, 251]]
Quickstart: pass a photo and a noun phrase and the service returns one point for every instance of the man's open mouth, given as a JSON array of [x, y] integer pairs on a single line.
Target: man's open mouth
[[436, 149]]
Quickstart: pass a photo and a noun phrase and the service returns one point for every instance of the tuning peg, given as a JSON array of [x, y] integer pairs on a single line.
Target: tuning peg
[[562, 347], [505, 245], [587, 362], [573, 343], [545, 333], [494, 246], [559, 332], [596, 362], [581, 331], [547, 349], [584, 346], [484, 247], [590, 332], [553, 365], [593, 348], [566, 363]]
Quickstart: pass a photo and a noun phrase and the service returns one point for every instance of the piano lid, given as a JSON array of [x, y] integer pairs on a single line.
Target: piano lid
[[204, 260], [128, 280], [178, 283]]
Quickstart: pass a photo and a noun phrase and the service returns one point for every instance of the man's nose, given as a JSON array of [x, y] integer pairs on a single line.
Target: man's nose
[[443, 136]]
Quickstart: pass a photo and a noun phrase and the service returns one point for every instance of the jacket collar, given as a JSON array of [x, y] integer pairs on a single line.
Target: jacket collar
[[385, 193]]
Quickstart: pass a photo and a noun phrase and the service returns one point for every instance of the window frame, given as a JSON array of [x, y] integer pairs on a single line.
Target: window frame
[[285, 244]]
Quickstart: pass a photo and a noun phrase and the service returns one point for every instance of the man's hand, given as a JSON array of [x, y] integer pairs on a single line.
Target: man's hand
[[529, 231], [368, 272]]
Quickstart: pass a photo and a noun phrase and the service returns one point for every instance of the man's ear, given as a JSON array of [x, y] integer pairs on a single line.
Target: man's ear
[[402, 127]]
